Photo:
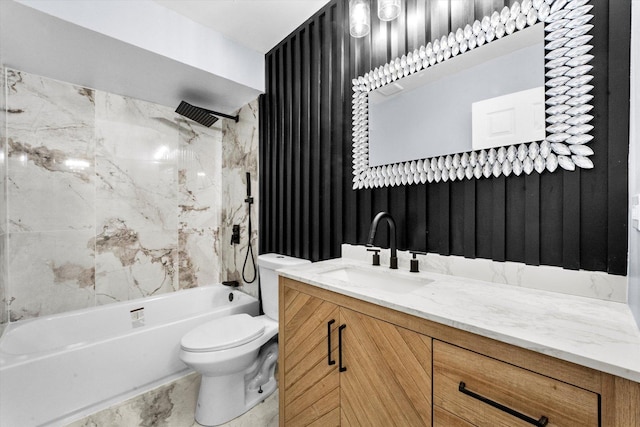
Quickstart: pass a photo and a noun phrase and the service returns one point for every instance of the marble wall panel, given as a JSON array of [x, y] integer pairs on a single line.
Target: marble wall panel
[[50, 272], [240, 147], [4, 316], [199, 196], [51, 150], [136, 193], [113, 198]]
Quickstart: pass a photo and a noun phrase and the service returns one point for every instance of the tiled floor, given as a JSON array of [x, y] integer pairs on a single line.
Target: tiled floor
[[173, 405]]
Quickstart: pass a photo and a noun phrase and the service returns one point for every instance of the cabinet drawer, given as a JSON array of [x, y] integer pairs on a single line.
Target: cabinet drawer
[[524, 392]]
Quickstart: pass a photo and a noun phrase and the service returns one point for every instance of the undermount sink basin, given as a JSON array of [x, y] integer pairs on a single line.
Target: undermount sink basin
[[376, 279]]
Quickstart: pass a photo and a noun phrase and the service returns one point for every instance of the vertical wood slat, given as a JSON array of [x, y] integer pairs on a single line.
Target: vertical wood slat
[[296, 175], [288, 150], [315, 102], [618, 117], [498, 239], [444, 213], [539, 214], [470, 219], [305, 124], [571, 221], [327, 79], [532, 220], [273, 224], [341, 91], [280, 172]]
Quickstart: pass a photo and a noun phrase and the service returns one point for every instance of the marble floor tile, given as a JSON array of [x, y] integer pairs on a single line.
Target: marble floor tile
[[173, 405]]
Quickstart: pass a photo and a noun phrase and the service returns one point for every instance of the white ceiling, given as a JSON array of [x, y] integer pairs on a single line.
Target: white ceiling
[[258, 24]]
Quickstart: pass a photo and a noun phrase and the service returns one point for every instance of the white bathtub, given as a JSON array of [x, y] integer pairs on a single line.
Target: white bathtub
[[60, 368]]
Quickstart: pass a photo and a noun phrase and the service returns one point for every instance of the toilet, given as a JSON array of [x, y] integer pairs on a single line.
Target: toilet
[[237, 354]]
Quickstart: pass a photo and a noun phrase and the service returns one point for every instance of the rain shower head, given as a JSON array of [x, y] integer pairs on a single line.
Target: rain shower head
[[200, 115]]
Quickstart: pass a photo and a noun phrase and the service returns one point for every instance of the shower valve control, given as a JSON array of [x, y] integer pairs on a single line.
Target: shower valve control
[[235, 235]]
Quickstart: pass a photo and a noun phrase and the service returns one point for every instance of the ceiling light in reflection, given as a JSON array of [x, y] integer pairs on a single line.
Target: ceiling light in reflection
[[162, 153], [77, 164]]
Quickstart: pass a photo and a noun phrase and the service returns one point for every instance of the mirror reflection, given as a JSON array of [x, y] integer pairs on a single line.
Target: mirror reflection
[[491, 96]]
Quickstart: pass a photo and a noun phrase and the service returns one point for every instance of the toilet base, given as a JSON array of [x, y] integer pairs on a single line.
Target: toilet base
[[223, 398]]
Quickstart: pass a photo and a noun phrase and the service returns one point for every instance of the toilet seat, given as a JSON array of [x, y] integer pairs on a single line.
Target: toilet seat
[[223, 333]]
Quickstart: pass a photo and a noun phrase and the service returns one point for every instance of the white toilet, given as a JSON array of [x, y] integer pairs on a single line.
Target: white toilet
[[237, 354]]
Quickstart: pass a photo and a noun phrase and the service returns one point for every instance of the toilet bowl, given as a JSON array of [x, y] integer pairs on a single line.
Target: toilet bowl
[[237, 354]]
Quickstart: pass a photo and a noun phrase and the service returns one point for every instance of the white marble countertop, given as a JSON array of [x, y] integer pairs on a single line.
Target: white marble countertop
[[594, 333]]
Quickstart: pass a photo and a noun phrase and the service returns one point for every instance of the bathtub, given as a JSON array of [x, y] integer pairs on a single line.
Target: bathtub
[[61, 368]]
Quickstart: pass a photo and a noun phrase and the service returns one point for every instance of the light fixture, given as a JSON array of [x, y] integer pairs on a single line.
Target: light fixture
[[359, 20], [388, 10]]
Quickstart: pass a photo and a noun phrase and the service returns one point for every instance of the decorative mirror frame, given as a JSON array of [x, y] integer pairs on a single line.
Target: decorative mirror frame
[[567, 98]]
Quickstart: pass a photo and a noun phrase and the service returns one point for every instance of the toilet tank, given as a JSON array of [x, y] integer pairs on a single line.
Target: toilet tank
[[268, 264]]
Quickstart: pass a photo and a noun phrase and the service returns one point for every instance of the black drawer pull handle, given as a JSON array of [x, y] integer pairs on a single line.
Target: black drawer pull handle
[[543, 421], [342, 367], [329, 361]]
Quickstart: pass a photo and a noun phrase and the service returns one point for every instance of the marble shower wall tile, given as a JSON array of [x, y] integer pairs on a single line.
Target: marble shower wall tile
[[136, 222], [3, 157], [51, 151], [111, 198], [50, 196], [50, 272], [240, 155], [199, 196], [4, 317]]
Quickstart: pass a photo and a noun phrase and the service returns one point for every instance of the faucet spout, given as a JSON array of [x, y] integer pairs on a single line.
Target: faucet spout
[[392, 235]]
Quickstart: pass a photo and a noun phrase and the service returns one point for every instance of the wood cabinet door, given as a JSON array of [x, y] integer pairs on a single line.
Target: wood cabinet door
[[309, 384], [387, 381]]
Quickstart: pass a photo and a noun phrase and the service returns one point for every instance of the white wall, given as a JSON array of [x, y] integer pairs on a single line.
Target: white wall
[[634, 161]]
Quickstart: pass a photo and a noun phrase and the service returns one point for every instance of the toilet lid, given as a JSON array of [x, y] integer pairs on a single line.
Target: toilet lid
[[223, 333]]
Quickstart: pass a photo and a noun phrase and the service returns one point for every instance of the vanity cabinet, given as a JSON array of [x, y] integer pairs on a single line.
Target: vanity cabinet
[[389, 358], [484, 391], [341, 367]]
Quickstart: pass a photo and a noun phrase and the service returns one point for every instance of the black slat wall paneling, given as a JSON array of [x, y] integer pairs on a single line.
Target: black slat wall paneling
[[571, 221], [444, 217], [575, 220], [305, 147], [339, 88], [281, 180], [498, 240], [469, 219], [619, 62], [456, 222], [551, 218], [514, 218], [315, 141], [296, 141], [273, 176], [326, 83], [532, 220], [262, 155], [288, 147], [594, 184]]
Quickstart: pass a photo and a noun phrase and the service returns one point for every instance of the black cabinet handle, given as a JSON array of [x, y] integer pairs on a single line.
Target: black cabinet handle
[[329, 361], [342, 368], [543, 421]]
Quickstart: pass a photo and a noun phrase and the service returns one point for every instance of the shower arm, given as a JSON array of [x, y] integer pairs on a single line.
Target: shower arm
[[226, 116]]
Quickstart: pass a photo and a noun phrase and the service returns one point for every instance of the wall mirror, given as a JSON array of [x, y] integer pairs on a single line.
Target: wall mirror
[[434, 114]]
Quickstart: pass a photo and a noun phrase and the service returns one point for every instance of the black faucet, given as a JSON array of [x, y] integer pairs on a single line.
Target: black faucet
[[392, 236]]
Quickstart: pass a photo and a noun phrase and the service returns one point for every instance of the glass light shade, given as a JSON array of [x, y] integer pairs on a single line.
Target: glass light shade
[[388, 10], [359, 20]]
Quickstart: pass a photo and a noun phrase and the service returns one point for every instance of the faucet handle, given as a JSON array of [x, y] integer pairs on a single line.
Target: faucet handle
[[376, 256], [414, 261]]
